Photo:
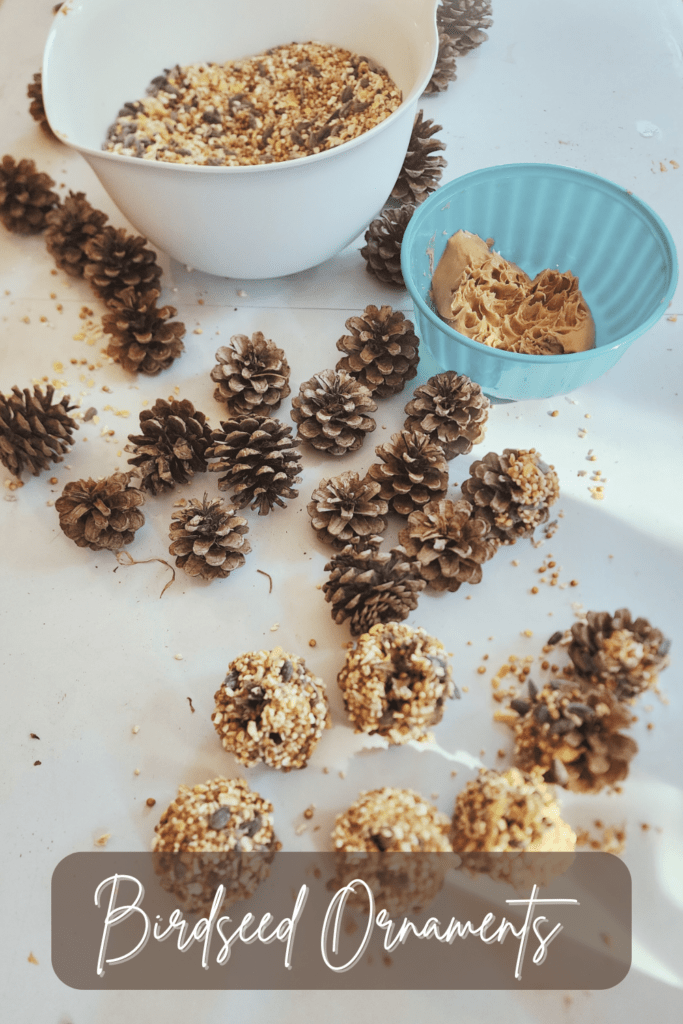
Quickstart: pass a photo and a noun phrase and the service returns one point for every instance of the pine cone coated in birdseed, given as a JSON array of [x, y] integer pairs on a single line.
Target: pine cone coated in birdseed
[[445, 68], [208, 538], [381, 350], [422, 169], [26, 196], [624, 654], [172, 446], [347, 510], [448, 543], [117, 260], [101, 514], [33, 431], [464, 21], [451, 409], [512, 491], [252, 376], [143, 339], [332, 412], [413, 471], [382, 251], [258, 459], [70, 226]]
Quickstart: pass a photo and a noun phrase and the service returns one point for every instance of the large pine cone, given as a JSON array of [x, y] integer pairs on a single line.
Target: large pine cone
[[37, 108], [451, 410], [413, 471], [259, 460], [252, 376], [370, 586], [142, 339], [421, 170], [572, 733], [381, 351], [624, 654], [172, 446], [73, 223], [25, 196], [117, 260], [445, 68], [448, 544], [33, 431], [346, 510], [463, 21], [208, 538], [331, 411], [513, 491], [100, 514], [382, 251]]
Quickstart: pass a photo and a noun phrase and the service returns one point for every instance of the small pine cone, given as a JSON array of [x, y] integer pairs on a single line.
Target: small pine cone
[[448, 544], [258, 458], [572, 733], [513, 491], [382, 253], [37, 108], [346, 510], [33, 431], [142, 339], [413, 471], [371, 586], [463, 21], [450, 409], [25, 196], [73, 223], [117, 260], [445, 68], [208, 538], [101, 514], [421, 170], [172, 446], [381, 351], [252, 376], [331, 412], [623, 654]]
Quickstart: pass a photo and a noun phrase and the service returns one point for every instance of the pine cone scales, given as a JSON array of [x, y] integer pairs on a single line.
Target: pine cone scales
[[172, 446], [613, 649], [451, 410], [370, 586], [252, 376], [421, 170], [258, 458], [381, 351], [413, 471], [445, 68], [346, 510], [463, 21], [99, 514], [25, 196], [117, 260], [73, 223], [382, 251], [36, 108], [33, 431], [142, 339], [332, 412], [448, 545], [512, 491], [208, 538]]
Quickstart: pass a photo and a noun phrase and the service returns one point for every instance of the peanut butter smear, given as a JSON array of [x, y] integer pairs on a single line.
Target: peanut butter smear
[[487, 298]]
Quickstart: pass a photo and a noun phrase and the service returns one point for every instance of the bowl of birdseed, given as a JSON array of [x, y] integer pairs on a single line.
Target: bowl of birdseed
[[245, 145]]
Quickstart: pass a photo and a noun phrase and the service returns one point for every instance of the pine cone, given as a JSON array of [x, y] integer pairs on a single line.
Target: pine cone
[[25, 196], [573, 734], [258, 456], [142, 339], [512, 491], [463, 21], [33, 431], [445, 68], [421, 170], [172, 446], [37, 108], [117, 260], [412, 473], [331, 411], [252, 376], [448, 544], [69, 226], [623, 654], [450, 409], [208, 538], [99, 514], [382, 253], [381, 351], [371, 586], [346, 510]]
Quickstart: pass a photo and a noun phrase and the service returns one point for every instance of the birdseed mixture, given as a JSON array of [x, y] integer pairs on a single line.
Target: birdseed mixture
[[391, 820], [217, 816], [291, 101]]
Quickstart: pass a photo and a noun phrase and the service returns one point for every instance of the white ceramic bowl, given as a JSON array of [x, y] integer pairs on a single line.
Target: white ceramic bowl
[[243, 222]]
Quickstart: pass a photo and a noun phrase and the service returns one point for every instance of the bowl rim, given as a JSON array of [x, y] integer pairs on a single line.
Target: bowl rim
[[488, 351]]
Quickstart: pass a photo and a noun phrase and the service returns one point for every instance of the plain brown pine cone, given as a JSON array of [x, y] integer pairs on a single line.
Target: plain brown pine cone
[[69, 226], [172, 446], [413, 471], [143, 339], [445, 68], [37, 108], [512, 491], [34, 431], [26, 196], [623, 653], [463, 21], [117, 260], [332, 412], [259, 460], [422, 169], [451, 410], [101, 514], [347, 510], [448, 544], [381, 350], [382, 251], [252, 376], [208, 538]]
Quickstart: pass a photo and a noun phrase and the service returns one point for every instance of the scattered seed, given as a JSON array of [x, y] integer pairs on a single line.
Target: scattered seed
[[31, 959], [534, 590], [308, 813], [103, 840], [178, 657], [36, 763], [192, 708]]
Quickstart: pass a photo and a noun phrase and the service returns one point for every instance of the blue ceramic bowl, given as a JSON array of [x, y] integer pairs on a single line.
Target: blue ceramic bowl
[[545, 216]]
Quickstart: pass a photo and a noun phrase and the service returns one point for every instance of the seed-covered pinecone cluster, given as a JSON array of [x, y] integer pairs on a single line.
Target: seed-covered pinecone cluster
[[332, 412], [34, 431], [382, 249], [347, 510], [142, 337], [413, 471], [252, 376], [381, 351], [101, 514], [464, 21], [172, 446], [70, 226], [26, 196], [513, 491], [258, 459], [448, 543], [117, 260], [422, 169], [208, 538], [451, 410], [37, 108], [445, 68], [622, 653]]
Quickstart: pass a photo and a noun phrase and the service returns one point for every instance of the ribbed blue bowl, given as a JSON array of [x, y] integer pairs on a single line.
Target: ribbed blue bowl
[[545, 216]]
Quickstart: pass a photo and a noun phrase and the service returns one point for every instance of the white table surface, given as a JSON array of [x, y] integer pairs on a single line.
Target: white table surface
[[87, 654]]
